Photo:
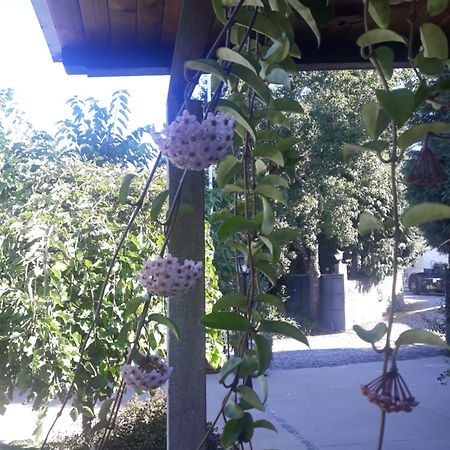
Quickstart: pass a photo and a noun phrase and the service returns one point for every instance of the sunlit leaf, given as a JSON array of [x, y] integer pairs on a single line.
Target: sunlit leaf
[[233, 225], [434, 41], [232, 410], [399, 104], [207, 66], [229, 367], [227, 54], [250, 397], [269, 152], [163, 320], [125, 187], [435, 7], [380, 11], [268, 270], [230, 108], [157, 204], [425, 212], [375, 119], [367, 223], [226, 169], [378, 36], [226, 321], [230, 300], [288, 105], [306, 15], [254, 81], [264, 350], [372, 336], [420, 336], [418, 132], [385, 56], [268, 217], [350, 150], [283, 328], [267, 190], [272, 300]]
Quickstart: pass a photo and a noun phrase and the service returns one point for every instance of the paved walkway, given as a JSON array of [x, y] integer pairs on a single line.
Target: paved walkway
[[317, 409]]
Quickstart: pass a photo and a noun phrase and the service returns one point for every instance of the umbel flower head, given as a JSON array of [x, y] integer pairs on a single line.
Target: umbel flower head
[[390, 393], [193, 145], [151, 372], [166, 277], [427, 170]]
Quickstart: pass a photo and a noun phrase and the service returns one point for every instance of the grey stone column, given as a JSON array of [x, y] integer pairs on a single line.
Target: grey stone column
[[187, 385]]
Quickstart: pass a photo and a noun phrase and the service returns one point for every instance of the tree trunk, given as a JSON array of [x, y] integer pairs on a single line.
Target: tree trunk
[[314, 282]]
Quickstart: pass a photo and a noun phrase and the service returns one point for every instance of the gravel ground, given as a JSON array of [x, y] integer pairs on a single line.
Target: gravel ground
[[347, 348]]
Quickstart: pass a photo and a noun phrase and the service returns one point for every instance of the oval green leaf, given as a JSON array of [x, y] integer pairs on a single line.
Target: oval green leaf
[[227, 54], [283, 328], [229, 301], [125, 187], [379, 35], [372, 336], [420, 336], [367, 223], [226, 321], [425, 212], [434, 41], [163, 320]]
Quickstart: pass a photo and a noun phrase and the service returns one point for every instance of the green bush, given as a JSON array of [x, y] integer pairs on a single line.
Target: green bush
[[141, 425]]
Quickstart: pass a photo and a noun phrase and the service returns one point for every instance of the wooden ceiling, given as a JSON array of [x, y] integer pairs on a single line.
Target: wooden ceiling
[[133, 37]]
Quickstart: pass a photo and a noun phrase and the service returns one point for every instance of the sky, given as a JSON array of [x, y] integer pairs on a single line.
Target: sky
[[42, 87]]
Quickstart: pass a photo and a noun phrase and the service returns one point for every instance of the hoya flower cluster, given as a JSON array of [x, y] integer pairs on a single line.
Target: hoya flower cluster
[[167, 277], [192, 145], [151, 372]]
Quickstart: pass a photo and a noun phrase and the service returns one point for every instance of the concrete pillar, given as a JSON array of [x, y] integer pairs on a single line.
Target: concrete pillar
[[187, 385]]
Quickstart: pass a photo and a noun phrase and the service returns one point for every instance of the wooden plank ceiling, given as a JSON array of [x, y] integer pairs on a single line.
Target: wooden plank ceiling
[[132, 37]]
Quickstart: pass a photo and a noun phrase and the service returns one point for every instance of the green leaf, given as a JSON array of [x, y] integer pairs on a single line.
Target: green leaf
[[157, 204], [125, 187], [247, 428], [219, 11], [207, 66], [226, 321], [434, 41], [254, 81], [250, 396], [435, 7], [278, 51], [233, 363], [87, 412], [268, 270], [398, 103], [234, 225], [230, 108], [380, 11], [372, 336], [283, 328], [385, 57], [428, 66], [232, 188], [270, 152], [272, 300], [105, 408], [227, 54], [306, 15], [375, 119], [420, 336], [227, 168], [352, 149], [274, 116], [278, 76], [264, 351], [423, 213], [268, 217], [274, 180], [288, 105], [74, 414], [263, 423], [285, 235], [267, 242], [379, 35], [262, 24], [229, 301], [367, 223], [232, 410], [163, 320], [266, 190], [418, 132], [231, 432]]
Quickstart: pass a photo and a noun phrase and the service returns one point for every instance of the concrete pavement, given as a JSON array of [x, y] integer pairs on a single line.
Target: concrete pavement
[[323, 408]]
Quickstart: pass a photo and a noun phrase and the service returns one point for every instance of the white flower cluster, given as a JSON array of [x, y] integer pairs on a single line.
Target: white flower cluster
[[189, 144], [167, 277], [150, 373]]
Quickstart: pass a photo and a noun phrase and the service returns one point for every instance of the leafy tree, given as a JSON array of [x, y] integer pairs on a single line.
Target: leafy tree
[[60, 218], [328, 194], [437, 234], [100, 133]]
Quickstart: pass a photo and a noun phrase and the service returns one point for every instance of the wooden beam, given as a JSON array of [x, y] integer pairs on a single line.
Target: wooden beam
[[67, 19], [45, 18], [170, 21], [95, 17], [150, 14], [122, 19]]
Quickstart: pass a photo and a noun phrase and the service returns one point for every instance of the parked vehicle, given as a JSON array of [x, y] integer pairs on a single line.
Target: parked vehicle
[[429, 280]]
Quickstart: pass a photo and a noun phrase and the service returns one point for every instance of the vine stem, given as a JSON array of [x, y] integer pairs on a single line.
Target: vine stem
[[136, 210]]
